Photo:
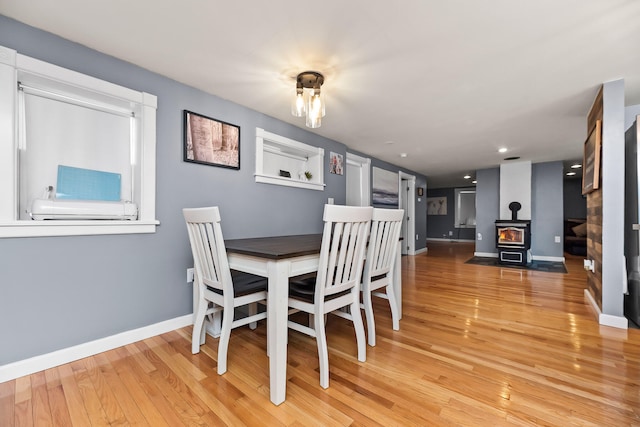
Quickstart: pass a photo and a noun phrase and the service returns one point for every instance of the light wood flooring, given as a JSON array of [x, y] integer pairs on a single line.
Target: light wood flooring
[[477, 346]]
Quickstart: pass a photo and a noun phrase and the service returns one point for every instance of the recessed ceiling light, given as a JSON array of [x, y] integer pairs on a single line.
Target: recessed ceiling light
[[474, 182], [502, 150], [467, 176], [389, 142], [576, 166], [512, 158], [570, 173], [403, 155]]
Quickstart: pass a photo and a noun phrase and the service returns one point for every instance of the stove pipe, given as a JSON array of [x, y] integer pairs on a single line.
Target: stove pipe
[[514, 207]]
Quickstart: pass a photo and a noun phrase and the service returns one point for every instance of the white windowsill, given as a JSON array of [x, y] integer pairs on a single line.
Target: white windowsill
[[75, 228]]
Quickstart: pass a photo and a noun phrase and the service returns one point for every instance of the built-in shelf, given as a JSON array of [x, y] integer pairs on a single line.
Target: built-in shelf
[[275, 153]]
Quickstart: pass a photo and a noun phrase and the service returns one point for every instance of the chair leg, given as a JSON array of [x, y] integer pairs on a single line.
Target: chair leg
[[359, 327], [223, 344], [198, 327], [393, 302], [253, 310], [371, 323], [323, 353]]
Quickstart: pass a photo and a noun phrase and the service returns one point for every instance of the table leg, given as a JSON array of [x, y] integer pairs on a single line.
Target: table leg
[[397, 279], [277, 308]]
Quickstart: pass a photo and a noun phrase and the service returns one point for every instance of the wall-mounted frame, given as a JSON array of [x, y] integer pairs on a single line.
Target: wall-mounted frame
[[420, 191], [211, 142], [591, 161]]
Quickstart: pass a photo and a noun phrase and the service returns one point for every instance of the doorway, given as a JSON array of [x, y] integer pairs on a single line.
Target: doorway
[[406, 191], [358, 180]]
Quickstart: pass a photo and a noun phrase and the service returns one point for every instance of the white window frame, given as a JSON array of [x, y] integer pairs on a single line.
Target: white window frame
[[12, 65]]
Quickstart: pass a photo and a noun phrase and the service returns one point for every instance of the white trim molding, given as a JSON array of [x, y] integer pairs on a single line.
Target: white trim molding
[[605, 319], [29, 366]]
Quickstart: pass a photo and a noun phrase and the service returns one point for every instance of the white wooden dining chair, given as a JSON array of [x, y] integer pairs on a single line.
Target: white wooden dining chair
[[337, 282], [377, 278], [219, 288]]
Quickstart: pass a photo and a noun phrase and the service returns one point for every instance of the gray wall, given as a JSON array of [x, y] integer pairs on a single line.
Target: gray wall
[[57, 292], [546, 214], [575, 204], [440, 225], [613, 197], [546, 209], [487, 209]]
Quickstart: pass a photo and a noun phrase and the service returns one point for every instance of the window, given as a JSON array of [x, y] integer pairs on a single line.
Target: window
[[465, 206], [56, 117]]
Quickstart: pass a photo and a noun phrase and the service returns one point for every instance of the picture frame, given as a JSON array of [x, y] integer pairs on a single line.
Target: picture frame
[[420, 191], [209, 141], [336, 163], [591, 160]]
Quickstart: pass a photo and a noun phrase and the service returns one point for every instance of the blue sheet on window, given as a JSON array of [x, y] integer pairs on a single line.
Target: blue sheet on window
[[87, 184]]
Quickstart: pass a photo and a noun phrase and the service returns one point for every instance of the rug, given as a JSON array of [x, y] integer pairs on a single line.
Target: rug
[[548, 266]]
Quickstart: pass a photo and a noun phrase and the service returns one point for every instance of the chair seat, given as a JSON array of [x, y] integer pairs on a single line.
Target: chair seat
[[244, 284], [304, 288]]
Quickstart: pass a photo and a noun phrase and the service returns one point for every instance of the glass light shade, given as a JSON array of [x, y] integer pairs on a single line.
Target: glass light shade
[[314, 109], [298, 104]]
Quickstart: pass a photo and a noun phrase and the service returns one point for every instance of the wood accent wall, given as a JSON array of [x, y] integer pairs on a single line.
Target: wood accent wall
[[594, 215]]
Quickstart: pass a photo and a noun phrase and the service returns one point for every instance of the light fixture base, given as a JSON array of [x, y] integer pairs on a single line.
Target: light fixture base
[[310, 80]]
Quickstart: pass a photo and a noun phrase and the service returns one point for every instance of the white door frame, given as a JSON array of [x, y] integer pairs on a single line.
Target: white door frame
[[365, 176], [406, 191]]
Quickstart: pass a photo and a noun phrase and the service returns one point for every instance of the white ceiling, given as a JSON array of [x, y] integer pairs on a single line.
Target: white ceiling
[[447, 82]]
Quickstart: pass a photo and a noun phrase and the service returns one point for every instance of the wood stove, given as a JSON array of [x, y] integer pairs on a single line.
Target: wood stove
[[513, 238]]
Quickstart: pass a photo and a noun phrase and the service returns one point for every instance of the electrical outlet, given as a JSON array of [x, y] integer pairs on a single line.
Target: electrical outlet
[[450, 233], [479, 236], [557, 239], [189, 275], [416, 237]]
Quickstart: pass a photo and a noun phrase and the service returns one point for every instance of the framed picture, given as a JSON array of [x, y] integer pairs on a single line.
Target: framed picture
[[211, 142], [437, 205], [336, 163], [420, 191], [385, 188], [591, 161]]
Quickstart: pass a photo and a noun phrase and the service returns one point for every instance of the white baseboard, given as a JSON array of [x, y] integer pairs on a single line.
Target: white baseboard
[[441, 239], [421, 251], [605, 319], [548, 258], [613, 321], [29, 366], [486, 254]]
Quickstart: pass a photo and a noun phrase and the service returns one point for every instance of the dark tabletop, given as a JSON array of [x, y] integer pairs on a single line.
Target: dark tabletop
[[278, 247]]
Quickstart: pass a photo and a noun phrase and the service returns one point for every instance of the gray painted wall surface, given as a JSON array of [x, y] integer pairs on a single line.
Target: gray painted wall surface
[[440, 225], [487, 208], [57, 292], [613, 197], [546, 209], [575, 204]]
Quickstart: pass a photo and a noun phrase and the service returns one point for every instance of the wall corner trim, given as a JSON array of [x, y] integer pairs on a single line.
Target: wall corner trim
[[39, 363], [605, 319]]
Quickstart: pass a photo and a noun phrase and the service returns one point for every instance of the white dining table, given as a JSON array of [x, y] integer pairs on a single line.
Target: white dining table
[[278, 259]]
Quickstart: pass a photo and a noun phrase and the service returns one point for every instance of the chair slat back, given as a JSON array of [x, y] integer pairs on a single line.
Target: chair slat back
[[342, 252], [383, 241], [207, 246]]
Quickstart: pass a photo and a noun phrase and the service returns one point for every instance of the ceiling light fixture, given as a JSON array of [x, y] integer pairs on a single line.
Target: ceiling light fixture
[[467, 176], [576, 166], [308, 99], [502, 150]]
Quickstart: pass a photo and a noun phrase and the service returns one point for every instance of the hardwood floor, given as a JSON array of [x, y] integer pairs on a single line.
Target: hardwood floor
[[477, 346]]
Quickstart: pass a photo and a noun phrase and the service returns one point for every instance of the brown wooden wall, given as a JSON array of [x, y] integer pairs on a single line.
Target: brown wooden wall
[[594, 215]]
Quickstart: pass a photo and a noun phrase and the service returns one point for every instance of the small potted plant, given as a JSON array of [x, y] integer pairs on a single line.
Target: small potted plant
[[308, 175]]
